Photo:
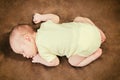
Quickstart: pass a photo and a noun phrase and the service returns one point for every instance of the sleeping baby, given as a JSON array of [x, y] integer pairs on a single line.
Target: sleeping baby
[[79, 40]]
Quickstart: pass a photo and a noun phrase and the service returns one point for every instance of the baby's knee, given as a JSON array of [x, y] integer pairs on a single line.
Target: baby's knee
[[72, 63], [98, 53], [75, 60], [75, 64]]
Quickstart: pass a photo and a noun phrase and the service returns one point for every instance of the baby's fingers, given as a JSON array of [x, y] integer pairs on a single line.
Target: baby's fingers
[[34, 61], [36, 18], [36, 21]]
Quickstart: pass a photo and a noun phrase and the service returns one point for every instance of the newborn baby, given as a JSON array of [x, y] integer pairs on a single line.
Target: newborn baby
[[79, 40]]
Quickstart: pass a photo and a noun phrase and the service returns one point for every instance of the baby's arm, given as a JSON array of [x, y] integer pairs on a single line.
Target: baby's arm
[[38, 59], [44, 17]]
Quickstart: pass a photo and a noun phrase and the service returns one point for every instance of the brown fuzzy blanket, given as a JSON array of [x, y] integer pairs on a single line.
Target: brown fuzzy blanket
[[104, 13]]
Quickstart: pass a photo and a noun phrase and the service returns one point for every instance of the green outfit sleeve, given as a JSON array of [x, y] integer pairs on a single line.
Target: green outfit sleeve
[[46, 55]]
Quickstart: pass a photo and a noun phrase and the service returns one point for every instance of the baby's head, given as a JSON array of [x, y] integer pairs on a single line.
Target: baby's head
[[22, 41]]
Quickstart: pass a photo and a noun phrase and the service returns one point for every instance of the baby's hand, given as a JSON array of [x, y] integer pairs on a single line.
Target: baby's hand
[[36, 59], [37, 18]]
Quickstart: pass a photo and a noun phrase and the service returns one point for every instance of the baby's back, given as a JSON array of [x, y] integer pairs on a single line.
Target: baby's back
[[67, 39]]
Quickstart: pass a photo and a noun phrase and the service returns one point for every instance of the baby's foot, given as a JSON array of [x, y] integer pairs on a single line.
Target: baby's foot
[[79, 19], [83, 20]]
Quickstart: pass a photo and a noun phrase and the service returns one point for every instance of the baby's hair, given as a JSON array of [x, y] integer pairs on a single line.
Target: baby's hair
[[19, 31], [22, 29]]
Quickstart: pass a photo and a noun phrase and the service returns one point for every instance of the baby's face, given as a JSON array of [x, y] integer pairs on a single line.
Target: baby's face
[[25, 48], [28, 50]]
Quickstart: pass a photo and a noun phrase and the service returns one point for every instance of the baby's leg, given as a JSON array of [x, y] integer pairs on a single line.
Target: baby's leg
[[103, 37], [83, 20], [91, 58], [82, 61], [87, 20], [75, 60]]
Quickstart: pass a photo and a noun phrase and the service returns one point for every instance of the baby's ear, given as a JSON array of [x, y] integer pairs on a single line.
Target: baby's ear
[[27, 37]]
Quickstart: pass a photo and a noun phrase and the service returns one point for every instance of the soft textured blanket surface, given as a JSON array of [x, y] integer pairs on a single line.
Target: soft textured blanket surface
[[104, 13]]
